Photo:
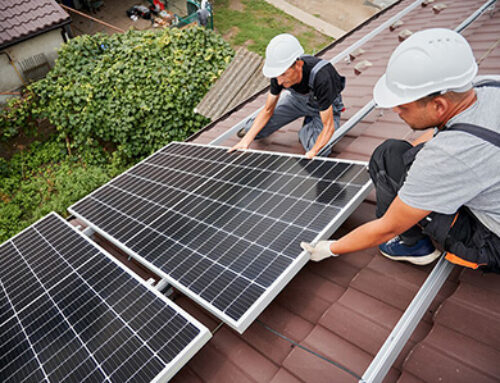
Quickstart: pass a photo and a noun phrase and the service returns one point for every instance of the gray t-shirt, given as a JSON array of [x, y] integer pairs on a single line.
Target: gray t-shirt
[[457, 168]]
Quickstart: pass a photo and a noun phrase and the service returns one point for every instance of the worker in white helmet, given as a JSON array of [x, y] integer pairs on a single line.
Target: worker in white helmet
[[445, 186], [314, 87]]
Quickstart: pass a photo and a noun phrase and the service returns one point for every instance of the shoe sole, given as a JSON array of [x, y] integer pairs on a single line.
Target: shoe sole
[[416, 260]]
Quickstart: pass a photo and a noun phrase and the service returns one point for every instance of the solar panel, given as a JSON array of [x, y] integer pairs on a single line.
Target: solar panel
[[69, 312], [225, 228]]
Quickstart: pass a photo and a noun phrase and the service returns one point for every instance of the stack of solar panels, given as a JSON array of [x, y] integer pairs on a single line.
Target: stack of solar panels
[[69, 312], [225, 228]]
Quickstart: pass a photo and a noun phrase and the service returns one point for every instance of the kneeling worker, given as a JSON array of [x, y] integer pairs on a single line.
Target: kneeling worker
[[315, 88], [447, 185]]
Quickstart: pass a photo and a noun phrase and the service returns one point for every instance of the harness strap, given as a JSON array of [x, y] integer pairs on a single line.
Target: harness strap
[[486, 82], [316, 68], [486, 134]]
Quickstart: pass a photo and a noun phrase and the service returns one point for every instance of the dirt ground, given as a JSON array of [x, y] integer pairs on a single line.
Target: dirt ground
[[344, 14], [114, 13]]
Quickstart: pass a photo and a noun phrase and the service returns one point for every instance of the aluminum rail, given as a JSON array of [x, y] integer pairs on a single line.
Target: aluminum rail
[[380, 365], [475, 15], [230, 133], [349, 124], [395, 342]]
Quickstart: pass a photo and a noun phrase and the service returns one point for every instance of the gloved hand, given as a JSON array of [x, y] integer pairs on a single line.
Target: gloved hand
[[320, 251]]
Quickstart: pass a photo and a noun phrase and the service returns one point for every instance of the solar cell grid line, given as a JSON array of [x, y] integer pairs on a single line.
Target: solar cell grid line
[[226, 226], [99, 322], [181, 246]]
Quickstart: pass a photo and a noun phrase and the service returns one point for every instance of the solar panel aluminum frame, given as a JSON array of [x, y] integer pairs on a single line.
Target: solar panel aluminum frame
[[189, 351], [273, 290]]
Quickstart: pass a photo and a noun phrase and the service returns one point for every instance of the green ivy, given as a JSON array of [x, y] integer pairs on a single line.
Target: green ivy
[[44, 178], [131, 93], [17, 116], [136, 90]]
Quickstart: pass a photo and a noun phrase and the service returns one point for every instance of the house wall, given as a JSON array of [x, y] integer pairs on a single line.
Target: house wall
[[47, 43]]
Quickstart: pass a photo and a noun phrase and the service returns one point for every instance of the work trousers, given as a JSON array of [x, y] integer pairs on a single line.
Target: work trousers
[[461, 234], [292, 105]]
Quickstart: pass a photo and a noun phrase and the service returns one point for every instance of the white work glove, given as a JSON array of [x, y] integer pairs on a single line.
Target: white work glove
[[320, 251]]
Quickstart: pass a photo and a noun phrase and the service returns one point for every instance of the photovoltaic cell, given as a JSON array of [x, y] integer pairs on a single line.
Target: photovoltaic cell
[[68, 312], [225, 228]]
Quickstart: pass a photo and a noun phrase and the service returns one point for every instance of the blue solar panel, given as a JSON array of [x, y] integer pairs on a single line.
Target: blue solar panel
[[69, 312], [225, 227]]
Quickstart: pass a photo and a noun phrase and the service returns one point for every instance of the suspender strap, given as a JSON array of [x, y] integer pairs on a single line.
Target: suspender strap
[[478, 131], [316, 68], [492, 83]]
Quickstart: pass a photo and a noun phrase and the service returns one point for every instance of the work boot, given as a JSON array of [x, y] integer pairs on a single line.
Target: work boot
[[241, 133], [422, 253]]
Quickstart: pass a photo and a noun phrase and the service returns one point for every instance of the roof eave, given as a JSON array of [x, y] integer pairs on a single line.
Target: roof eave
[[36, 33]]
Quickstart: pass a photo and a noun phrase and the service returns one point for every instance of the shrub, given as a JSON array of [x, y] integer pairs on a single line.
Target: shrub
[[136, 90]]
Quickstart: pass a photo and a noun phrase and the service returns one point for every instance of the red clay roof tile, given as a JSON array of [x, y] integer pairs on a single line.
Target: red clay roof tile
[[21, 18], [343, 307]]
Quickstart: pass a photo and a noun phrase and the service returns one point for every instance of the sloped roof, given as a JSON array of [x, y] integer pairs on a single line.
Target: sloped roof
[[20, 19], [344, 308], [242, 79]]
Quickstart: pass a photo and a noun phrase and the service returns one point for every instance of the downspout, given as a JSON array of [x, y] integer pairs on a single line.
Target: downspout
[[11, 62]]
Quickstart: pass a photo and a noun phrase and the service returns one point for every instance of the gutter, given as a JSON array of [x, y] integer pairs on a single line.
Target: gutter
[[36, 33]]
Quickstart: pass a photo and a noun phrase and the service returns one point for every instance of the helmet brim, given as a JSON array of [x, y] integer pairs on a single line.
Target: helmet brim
[[272, 72], [385, 98]]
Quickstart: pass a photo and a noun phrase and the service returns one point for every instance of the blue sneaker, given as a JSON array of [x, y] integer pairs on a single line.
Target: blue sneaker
[[422, 253]]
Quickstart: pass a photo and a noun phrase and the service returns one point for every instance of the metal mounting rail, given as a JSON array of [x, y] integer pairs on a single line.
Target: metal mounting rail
[[230, 133], [395, 342], [351, 123], [380, 365]]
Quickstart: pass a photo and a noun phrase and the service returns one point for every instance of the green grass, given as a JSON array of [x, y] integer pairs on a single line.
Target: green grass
[[259, 22]]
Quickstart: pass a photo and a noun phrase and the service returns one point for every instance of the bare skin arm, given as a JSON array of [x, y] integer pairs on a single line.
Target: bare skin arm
[[259, 123], [397, 219], [326, 133], [427, 136]]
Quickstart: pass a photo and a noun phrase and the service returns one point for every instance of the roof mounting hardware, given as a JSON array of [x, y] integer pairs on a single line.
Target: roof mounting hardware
[[425, 3], [361, 67], [395, 25], [358, 52], [404, 34], [439, 7], [491, 9]]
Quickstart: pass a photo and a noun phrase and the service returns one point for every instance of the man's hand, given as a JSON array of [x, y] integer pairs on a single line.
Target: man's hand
[[310, 154], [242, 145], [320, 251]]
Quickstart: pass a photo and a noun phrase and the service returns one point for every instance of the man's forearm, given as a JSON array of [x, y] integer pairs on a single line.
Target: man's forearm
[[260, 121], [323, 137], [370, 234]]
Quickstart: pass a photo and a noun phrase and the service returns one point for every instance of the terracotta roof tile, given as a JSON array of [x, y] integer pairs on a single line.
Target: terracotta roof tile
[[310, 368], [283, 376], [455, 356], [21, 18], [343, 308]]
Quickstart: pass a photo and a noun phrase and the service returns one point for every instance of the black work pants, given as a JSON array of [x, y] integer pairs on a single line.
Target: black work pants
[[388, 172], [463, 235]]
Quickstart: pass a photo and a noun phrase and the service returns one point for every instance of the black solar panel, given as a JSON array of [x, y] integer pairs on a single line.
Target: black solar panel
[[225, 227], [68, 312]]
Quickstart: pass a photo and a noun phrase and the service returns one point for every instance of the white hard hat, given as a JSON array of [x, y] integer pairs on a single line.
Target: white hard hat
[[430, 61], [281, 53]]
